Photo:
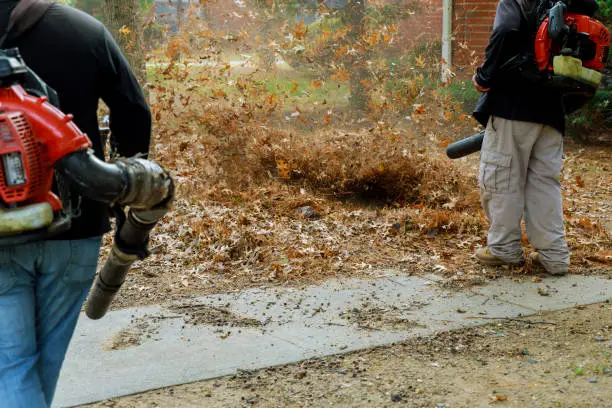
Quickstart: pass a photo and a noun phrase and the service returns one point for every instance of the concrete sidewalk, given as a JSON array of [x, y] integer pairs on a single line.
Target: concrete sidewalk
[[140, 349]]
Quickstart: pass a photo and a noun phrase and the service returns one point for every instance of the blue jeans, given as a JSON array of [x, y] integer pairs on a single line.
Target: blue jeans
[[42, 289]]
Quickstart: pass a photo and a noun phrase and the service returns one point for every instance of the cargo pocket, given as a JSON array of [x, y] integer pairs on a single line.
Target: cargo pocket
[[7, 274], [495, 171], [83, 261]]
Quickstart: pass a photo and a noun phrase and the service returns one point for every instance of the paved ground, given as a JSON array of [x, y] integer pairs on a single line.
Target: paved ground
[[559, 359], [135, 350]]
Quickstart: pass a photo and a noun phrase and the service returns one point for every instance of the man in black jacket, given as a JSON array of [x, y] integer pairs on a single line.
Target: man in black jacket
[[521, 155], [43, 285]]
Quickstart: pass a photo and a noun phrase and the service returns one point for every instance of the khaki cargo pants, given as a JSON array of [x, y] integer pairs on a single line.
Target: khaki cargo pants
[[520, 166]]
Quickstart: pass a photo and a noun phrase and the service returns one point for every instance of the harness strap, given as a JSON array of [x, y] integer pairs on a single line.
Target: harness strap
[[24, 16]]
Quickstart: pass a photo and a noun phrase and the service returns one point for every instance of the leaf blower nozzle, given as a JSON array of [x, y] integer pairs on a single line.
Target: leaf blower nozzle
[[130, 245], [108, 283], [466, 146]]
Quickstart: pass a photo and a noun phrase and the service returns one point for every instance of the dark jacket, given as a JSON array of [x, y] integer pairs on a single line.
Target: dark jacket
[[514, 31], [76, 56]]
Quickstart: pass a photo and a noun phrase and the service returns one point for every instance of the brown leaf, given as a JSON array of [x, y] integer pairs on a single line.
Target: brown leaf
[[284, 169], [299, 32], [602, 256], [419, 109], [341, 75], [124, 30]]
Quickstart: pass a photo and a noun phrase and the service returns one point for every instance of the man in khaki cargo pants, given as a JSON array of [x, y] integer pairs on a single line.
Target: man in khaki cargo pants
[[521, 156]]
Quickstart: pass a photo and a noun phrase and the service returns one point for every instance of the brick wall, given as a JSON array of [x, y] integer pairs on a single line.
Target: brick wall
[[472, 25], [424, 26]]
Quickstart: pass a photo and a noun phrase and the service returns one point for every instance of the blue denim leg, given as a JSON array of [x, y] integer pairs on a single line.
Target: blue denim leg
[[19, 381], [60, 275], [61, 290]]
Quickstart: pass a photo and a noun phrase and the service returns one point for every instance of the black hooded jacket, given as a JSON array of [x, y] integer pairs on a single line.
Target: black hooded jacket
[[77, 57], [514, 30]]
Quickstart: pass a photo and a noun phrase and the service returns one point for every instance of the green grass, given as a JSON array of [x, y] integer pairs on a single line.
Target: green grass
[[591, 118], [301, 89], [465, 92], [290, 86]]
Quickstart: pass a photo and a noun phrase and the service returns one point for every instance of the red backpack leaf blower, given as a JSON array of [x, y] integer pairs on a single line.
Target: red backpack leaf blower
[[39, 143], [570, 51], [34, 136]]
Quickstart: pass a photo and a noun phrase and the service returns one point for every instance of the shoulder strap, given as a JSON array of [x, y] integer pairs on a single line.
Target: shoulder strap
[[24, 16]]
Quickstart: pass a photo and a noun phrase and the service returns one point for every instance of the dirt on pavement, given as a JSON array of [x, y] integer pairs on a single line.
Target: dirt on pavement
[[556, 359]]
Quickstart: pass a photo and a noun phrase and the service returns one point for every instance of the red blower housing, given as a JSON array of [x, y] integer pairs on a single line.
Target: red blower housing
[[33, 136], [586, 36]]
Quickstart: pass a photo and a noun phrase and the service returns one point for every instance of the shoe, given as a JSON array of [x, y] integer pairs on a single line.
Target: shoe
[[534, 257], [485, 256]]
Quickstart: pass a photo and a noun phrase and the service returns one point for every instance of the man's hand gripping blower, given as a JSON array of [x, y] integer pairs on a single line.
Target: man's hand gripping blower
[[39, 144]]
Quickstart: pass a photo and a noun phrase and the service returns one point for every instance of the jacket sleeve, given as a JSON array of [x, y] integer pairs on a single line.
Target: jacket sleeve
[[506, 28], [130, 115]]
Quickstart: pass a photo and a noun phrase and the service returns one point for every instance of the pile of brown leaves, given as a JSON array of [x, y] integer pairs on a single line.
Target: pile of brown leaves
[[262, 206]]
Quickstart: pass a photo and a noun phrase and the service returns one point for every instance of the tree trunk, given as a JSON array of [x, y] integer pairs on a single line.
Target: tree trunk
[[122, 17], [355, 17], [180, 9]]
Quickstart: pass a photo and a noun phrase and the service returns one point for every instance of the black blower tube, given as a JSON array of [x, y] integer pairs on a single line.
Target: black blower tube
[[465, 146], [95, 178]]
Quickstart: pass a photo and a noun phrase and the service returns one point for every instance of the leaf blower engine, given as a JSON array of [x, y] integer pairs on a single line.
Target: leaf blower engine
[[39, 145], [570, 52]]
